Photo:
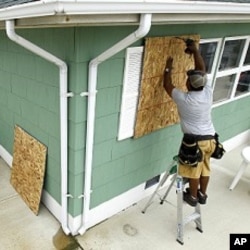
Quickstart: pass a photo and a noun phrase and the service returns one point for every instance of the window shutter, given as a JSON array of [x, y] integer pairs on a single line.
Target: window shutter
[[131, 84]]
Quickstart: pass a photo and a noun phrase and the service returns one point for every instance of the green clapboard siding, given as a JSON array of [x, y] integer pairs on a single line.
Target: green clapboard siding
[[29, 97]]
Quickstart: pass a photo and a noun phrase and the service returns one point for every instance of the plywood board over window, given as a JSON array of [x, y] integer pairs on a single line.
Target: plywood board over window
[[28, 168], [156, 109]]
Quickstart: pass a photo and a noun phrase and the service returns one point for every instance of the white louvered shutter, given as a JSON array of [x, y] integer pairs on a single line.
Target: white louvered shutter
[[130, 93]]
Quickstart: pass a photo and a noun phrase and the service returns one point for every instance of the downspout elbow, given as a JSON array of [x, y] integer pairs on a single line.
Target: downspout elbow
[[145, 25], [10, 30]]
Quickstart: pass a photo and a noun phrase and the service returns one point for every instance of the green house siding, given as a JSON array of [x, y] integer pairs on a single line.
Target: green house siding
[[29, 97], [232, 118], [29, 94]]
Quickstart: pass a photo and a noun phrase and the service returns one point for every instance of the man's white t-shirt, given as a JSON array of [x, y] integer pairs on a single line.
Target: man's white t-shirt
[[194, 108]]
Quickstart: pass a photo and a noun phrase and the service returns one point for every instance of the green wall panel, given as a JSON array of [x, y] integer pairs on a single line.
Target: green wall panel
[[29, 97], [105, 173], [92, 41], [111, 97], [76, 135], [29, 91], [76, 161], [53, 187], [205, 30], [232, 118], [110, 74], [104, 124], [103, 153]]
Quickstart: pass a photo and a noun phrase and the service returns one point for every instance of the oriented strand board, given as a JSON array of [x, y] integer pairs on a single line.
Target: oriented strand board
[[156, 109], [28, 168]]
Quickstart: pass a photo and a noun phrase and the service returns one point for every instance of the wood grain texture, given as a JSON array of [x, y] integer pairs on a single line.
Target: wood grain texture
[[156, 109], [28, 168]]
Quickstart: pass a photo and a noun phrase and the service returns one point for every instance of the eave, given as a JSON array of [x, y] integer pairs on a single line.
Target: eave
[[114, 12]]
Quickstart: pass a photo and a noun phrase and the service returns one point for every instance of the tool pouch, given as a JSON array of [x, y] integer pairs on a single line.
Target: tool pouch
[[219, 150], [189, 152]]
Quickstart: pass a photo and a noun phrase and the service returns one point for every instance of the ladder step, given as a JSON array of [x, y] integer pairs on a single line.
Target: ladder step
[[192, 217]]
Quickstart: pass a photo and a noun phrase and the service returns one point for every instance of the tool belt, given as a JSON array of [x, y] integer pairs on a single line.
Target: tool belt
[[200, 137], [189, 153], [219, 150]]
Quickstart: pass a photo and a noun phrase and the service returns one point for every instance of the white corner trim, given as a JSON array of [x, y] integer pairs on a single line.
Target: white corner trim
[[55, 208], [6, 156]]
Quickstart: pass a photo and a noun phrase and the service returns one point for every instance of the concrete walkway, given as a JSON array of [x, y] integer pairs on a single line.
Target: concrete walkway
[[226, 212], [20, 228]]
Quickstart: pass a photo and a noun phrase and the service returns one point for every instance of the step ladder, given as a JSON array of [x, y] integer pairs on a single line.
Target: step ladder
[[181, 220], [180, 185]]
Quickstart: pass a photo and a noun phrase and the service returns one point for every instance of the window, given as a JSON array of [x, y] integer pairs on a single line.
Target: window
[[243, 85], [231, 54], [210, 49], [223, 87], [233, 75]]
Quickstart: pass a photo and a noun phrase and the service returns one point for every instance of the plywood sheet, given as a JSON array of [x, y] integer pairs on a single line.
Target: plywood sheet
[[28, 168], [156, 109]]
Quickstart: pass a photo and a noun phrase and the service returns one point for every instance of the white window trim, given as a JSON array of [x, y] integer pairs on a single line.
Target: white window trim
[[216, 56], [237, 70]]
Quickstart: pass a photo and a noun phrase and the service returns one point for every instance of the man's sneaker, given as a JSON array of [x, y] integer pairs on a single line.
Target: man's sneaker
[[192, 201], [202, 198]]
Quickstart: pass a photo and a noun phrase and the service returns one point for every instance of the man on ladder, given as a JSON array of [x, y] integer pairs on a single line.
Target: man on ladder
[[194, 108]]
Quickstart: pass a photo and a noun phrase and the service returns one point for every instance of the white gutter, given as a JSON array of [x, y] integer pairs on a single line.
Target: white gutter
[[143, 29], [45, 8], [10, 29]]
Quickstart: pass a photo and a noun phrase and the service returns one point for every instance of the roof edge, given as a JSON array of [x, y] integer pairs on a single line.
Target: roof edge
[[188, 9]]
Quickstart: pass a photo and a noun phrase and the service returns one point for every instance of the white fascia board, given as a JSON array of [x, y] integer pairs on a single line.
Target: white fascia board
[[152, 6], [86, 7]]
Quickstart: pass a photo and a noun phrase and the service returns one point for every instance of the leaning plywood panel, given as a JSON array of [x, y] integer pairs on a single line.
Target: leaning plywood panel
[[28, 168], [156, 109]]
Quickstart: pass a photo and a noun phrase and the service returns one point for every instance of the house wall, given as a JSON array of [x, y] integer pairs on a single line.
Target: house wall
[[29, 97], [120, 165], [29, 94]]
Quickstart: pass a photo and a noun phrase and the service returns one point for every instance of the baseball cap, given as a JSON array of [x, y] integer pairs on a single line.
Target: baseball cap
[[197, 78]]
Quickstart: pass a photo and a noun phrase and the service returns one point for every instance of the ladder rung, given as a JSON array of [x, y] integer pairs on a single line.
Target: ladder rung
[[192, 217]]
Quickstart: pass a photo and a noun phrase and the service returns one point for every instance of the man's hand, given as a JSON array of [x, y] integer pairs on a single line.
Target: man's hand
[[169, 64], [198, 60], [167, 81], [191, 48]]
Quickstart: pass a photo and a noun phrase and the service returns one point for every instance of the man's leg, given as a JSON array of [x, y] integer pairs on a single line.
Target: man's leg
[[203, 184], [193, 186]]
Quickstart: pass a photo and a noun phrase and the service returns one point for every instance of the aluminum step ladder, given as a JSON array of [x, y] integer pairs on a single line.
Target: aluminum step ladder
[[180, 185], [181, 220]]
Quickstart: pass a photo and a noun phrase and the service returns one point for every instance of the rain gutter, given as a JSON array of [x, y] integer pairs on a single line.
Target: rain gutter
[[190, 9], [10, 29], [143, 29]]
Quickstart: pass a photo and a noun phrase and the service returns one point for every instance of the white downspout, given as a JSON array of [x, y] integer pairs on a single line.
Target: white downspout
[[143, 29], [10, 29]]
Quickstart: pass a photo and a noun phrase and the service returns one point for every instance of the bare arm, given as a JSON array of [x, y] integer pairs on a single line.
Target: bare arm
[[167, 79], [198, 60]]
